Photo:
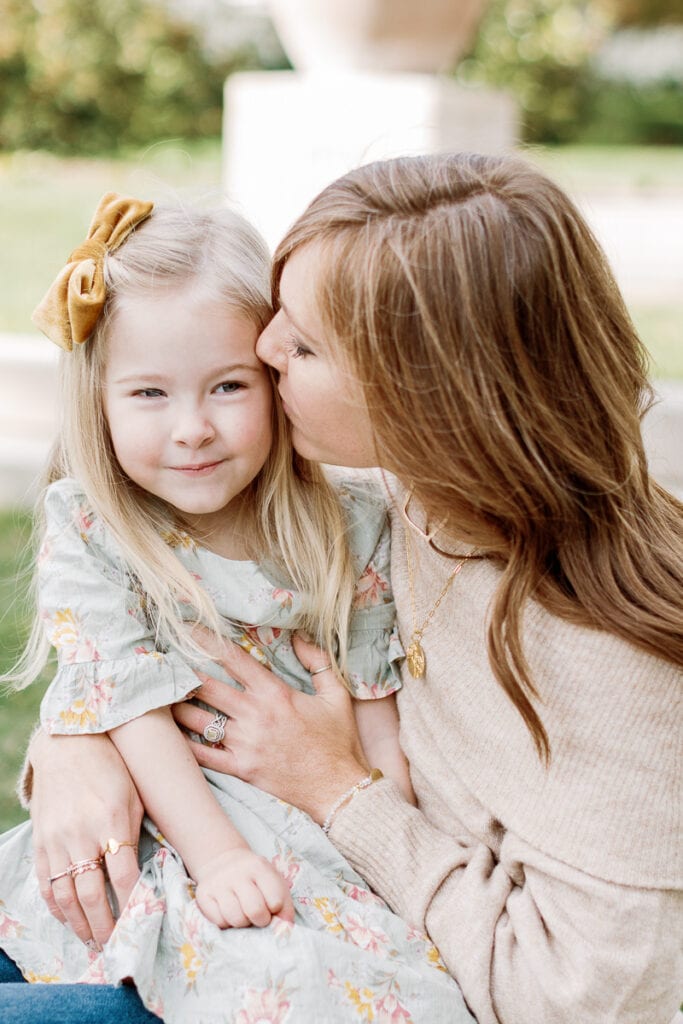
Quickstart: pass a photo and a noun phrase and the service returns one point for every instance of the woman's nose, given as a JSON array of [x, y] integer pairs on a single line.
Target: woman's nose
[[193, 429], [270, 346]]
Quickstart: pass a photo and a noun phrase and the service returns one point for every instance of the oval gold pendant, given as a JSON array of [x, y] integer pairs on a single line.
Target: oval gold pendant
[[415, 657]]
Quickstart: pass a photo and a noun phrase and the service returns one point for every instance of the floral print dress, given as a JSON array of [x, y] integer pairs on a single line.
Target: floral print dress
[[347, 957]]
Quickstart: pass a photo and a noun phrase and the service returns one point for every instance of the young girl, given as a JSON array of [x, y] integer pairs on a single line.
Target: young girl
[[175, 500]]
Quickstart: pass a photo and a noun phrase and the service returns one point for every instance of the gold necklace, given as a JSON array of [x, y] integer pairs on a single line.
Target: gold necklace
[[415, 655]]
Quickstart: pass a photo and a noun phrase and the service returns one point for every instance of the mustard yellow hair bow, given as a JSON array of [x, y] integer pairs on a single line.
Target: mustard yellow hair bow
[[71, 308]]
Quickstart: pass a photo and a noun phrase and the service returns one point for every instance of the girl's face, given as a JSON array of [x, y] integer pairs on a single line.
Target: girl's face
[[323, 402], [187, 402]]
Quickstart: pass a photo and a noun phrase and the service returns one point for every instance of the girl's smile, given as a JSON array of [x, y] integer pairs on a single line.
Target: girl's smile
[[187, 402]]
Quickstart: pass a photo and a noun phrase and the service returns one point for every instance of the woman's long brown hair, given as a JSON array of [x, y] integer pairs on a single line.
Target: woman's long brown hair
[[506, 383]]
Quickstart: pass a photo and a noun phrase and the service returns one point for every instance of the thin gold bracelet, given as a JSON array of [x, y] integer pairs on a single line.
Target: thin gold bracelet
[[374, 776]]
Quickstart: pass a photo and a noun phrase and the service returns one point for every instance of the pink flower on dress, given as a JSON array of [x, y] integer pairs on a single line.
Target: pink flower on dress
[[287, 865], [262, 636], [143, 902], [84, 519], [390, 1010], [368, 691], [364, 936], [361, 895], [10, 927], [94, 974], [265, 1006], [371, 588], [283, 598]]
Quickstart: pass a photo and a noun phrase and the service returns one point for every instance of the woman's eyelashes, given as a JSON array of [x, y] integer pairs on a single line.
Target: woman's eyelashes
[[296, 348]]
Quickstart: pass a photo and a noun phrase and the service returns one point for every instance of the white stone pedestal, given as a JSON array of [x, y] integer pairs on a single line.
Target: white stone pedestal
[[287, 134]]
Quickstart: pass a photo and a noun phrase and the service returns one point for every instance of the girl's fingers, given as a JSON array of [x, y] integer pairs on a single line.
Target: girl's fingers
[[311, 656], [277, 895], [212, 910], [254, 905]]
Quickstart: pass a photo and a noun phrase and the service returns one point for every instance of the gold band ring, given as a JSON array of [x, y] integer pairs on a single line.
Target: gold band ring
[[113, 846], [316, 670], [78, 867]]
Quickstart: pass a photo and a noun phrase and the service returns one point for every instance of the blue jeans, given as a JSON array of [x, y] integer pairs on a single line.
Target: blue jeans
[[66, 1004]]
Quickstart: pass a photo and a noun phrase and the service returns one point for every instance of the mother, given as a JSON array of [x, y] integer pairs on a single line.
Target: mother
[[452, 319]]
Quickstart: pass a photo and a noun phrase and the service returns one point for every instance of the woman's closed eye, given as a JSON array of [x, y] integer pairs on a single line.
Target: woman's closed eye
[[297, 349]]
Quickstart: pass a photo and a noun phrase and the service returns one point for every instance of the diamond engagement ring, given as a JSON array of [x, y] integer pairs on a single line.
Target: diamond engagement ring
[[214, 732]]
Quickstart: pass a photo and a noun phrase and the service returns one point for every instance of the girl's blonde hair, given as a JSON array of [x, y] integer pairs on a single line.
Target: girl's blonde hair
[[290, 513], [506, 384]]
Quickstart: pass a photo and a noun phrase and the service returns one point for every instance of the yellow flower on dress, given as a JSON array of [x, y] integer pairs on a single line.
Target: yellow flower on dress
[[328, 911], [79, 716], [44, 979], [66, 635], [192, 962], [434, 958]]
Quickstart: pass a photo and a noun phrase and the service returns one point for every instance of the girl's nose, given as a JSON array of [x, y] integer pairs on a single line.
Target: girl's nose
[[193, 429], [270, 346]]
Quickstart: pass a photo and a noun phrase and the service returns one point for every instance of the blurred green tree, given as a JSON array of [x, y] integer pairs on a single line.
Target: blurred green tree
[[97, 75], [542, 51]]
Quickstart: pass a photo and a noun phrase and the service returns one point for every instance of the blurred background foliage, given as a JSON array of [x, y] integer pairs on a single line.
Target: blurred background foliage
[[96, 76], [93, 76], [598, 71]]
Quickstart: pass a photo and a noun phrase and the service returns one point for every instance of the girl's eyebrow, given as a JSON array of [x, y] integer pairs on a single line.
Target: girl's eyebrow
[[160, 378]]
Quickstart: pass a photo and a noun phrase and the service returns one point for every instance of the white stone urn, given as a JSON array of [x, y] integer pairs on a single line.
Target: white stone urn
[[376, 35]]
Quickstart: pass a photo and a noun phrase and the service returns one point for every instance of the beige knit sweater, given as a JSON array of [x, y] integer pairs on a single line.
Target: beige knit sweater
[[554, 896]]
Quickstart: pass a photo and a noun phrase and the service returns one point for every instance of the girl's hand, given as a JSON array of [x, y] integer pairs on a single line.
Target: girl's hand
[[82, 797], [238, 888], [304, 749]]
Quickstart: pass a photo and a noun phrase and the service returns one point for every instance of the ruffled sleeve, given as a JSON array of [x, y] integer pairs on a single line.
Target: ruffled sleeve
[[375, 651], [109, 670]]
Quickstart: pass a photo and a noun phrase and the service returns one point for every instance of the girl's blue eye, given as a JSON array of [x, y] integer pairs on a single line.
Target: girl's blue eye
[[228, 387], [149, 393]]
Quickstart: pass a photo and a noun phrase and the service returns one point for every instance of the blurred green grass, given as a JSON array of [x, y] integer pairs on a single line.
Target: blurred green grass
[[18, 711], [46, 203]]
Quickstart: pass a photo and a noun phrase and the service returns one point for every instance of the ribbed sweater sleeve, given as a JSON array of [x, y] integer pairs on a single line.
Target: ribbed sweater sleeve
[[529, 939]]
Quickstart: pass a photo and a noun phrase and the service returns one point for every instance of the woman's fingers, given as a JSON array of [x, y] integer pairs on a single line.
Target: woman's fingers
[[218, 759], [123, 871], [92, 897], [82, 796], [42, 868], [68, 901]]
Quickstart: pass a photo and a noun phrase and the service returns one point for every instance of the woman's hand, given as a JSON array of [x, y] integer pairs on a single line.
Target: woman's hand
[[82, 797], [302, 748]]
